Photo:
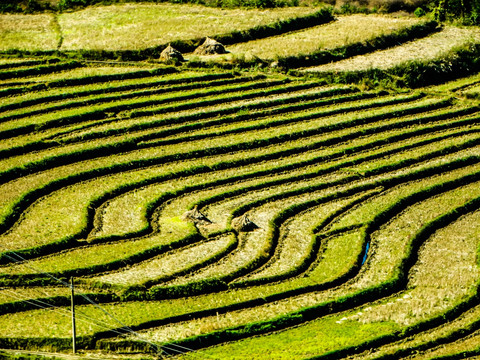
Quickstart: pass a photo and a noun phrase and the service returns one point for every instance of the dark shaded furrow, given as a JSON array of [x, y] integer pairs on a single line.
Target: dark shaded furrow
[[146, 93], [57, 184], [373, 173], [21, 89], [178, 84], [430, 140], [52, 141], [134, 144], [39, 70], [346, 302]]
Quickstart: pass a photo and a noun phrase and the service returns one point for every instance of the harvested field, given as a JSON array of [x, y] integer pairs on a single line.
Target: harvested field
[[345, 31], [363, 202], [432, 47], [139, 26], [28, 32]]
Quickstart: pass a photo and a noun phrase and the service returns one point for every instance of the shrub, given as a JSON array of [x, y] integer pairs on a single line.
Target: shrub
[[366, 6], [262, 4], [466, 12], [17, 6], [68, 4], [419, 12]]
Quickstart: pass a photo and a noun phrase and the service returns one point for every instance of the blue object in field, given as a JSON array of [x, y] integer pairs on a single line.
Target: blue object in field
[[366, 253]]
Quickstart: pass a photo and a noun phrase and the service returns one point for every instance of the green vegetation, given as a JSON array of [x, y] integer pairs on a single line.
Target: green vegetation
[[143, 26], [28, 32], [384, 146], [141, 31], [346, 30], [142, 180], [466, 12], [429, 48]]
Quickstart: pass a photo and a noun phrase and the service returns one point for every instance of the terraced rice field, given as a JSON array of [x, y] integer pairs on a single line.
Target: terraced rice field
[[140, 26], [346, 30], [366, 206], [435, 46], [29, 32], [131, 26]]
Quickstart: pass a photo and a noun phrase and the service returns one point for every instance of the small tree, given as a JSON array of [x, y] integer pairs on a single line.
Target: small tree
[[467, 11], [68, 4]]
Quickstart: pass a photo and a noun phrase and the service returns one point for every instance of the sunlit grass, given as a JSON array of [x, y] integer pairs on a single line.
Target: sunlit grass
[[314, 338], [434, 46], [8, 295], [107, 87], [433, 288], [326, 148], [168, 264], [81, 203], [473, 91], [28, 32], [344, 31], [80, 72], [139, 26], [237, 295], [455, 349]]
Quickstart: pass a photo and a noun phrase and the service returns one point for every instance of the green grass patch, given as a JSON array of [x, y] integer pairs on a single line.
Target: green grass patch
[[28, 32], [345, 31], [141, 26]]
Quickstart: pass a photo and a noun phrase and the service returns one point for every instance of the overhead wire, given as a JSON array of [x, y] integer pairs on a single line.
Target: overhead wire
[[163, 347], [20, 259], [60, 310], [47, 306]]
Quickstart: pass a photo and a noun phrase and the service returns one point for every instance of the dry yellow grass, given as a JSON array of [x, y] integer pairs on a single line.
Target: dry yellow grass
[[138, 26], [28, 32], [346, 30], [168, 264], [74, 74], [392, 239], [14, 61], [445, 273], [50, 323], [454, 349], [429, 48], [18, 294], [296, 239], [441, 331]]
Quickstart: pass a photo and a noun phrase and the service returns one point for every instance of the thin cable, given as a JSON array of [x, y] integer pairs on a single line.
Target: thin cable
[[35, 302], [190, 351], [40, 290], [40, 304], [22, 261]]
